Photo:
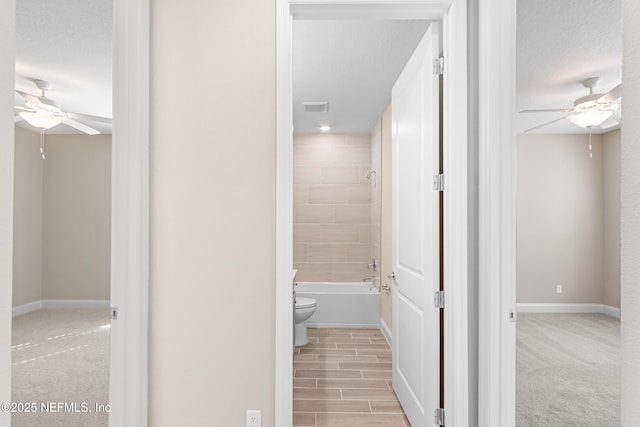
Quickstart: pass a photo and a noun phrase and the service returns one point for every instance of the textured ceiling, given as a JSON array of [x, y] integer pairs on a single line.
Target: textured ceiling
[[68, 44], [560, 43], [352, 65]]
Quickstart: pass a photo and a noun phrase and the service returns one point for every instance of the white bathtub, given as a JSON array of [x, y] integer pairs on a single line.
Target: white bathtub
[[342, 305]]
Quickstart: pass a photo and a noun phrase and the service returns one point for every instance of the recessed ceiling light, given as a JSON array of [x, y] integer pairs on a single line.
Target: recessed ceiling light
[[325, 128]]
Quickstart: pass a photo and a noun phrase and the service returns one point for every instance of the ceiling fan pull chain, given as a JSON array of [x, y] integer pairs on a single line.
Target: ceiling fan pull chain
[[42, 143]]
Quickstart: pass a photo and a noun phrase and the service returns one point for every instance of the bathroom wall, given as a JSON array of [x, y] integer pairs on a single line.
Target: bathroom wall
[[611, 161], [331, 207], [376, 196], [27, 218], [560, 219], [385, 184]]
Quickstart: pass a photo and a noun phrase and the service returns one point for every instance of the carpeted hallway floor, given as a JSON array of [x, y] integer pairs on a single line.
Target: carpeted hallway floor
[[567, 370], [61, 356]]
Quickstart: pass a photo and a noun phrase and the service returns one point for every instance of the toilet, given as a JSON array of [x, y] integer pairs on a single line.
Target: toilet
[[305, 307]]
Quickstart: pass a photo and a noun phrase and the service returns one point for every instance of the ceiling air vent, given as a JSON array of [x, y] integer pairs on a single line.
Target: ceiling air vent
[[316, 107]]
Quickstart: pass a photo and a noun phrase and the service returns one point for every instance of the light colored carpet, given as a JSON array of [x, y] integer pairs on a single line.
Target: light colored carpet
[[567, 370], [61, 356]]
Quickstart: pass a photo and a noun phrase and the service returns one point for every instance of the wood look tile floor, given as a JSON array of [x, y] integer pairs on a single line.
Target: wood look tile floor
[[342, 377]]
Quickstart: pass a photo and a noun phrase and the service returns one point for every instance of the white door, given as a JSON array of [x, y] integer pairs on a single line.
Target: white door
[[415, 241]]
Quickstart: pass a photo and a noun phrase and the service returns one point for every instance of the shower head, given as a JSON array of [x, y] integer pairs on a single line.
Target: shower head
[[368, 176]]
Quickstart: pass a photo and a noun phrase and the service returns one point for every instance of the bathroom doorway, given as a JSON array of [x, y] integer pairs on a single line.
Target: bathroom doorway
[[303, 14]]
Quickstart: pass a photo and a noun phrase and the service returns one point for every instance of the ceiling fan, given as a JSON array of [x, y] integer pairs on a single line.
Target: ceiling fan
[[593, 110], [44, 113]]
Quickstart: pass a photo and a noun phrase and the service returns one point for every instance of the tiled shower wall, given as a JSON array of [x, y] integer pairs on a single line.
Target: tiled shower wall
[[331, 207]]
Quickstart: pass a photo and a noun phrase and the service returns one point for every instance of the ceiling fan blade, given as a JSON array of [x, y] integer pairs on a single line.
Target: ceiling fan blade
[[547, 110], [88, 117], [548, 123], [609, 123], [31, 98], [24, 108], [612, 95], [612, 121], [77, 125]]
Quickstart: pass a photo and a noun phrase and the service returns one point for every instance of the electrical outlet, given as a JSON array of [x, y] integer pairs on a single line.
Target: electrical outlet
[[254, 418], [559, 289]]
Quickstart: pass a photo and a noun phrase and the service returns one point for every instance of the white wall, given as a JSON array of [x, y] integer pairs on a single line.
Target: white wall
[[7, 70], [611, 176], [630, 214], [77, 217], [27, 218], [212, 290], [62, 217], [560, 219]]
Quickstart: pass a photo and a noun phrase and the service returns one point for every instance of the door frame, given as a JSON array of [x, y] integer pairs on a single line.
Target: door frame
[[497, 213], [453, 14], [128, 394]]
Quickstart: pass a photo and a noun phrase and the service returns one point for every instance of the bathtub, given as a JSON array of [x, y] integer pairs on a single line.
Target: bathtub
[[342, 305]]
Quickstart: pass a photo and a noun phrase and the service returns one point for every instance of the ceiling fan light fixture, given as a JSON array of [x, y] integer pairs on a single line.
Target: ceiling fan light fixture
[[590, 118], [40, 119]]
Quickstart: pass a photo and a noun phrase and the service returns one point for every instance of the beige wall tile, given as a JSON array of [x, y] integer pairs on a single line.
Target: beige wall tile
[[326, 252], [340, 175], [364, 233], [359, 253], [313, 214], [306, 233], [339, 233], [307, 174], [360, 214], [300, 194], [359, 194], [314, 272], [299, 252], [324, 168], [350, 272], [327, 194]]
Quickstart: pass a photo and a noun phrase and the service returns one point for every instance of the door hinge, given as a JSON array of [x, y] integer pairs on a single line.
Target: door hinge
[[114, 313], [438, 182], [438, 417], [438, 299], [438, 66]]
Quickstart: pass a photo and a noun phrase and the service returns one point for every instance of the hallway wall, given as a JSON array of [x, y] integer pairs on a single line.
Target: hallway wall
[[213, 180], [630, 214]]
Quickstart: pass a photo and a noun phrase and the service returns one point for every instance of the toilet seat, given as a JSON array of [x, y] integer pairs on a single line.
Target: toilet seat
[[302, 302]]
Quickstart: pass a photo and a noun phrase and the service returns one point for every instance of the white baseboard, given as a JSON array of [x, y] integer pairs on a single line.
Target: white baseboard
[[58, 304], [386, 331], [568, 308], [611, 311], [342, 325], [75, 303], [26, 308]]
